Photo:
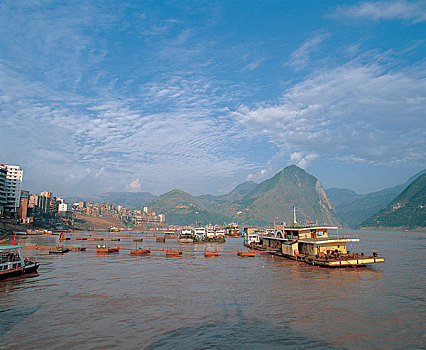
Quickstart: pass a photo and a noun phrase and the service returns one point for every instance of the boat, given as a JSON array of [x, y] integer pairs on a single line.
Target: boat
[[208, 253], [12, 263], [115, 239], [140, 251], [173, 253], [311, 245], [59, 250], [103, 249], [247, 254], [186, 236], [251, 238], [77, 249]]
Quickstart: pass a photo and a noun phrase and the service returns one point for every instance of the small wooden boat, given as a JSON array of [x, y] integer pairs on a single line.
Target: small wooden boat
[[81, 239], [161, 239], [247, 254], [214, 253], [140, 251], [115, 239], [173, 253], [77, 249], [137, 239], [103, 249], [59, 250], [98, 239]]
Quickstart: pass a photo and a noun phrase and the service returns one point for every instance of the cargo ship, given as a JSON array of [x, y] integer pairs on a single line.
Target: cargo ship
[[12, 263], [311, 245]]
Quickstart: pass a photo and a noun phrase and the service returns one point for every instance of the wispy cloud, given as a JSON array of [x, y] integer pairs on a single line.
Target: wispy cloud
[[412, 11], [300, 58]]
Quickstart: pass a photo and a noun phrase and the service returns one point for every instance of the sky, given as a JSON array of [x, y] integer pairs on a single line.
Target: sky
[[99, 96]]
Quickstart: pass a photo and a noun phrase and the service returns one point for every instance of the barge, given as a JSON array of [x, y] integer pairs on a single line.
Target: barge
[[311, 245], [12, 263]]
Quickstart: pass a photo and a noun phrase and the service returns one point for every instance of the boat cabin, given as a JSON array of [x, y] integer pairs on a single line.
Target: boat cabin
[[11, 257], [200, 233], [309, 241]]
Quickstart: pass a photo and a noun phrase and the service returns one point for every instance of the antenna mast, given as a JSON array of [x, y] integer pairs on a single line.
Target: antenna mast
[[294, 215]]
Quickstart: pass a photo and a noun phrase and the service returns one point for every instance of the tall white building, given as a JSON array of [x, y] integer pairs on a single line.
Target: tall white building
[[63, 207], [3, 198], [13, 187]]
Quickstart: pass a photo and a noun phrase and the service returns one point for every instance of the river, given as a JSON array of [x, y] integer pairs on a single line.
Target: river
[[82, 300]]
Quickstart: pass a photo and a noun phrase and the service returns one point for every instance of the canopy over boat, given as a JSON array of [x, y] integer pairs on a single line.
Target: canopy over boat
[[7, 247]]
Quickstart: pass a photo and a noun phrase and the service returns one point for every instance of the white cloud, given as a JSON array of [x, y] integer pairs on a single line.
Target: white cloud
[[355, 112], [134, 186], [302, 160], [300, 58], [414, 11]]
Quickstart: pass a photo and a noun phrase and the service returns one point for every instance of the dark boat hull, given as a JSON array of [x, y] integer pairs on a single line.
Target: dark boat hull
[[19, 271]]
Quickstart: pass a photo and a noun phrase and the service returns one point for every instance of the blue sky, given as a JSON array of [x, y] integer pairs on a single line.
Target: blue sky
[[100, 96]]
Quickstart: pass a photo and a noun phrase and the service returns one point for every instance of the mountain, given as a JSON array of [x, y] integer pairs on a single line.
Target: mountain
[[220, 203], [253, 204], [354, 208], [273, 199], [407, 210], [181, 208], [129, 200], [340, 196]]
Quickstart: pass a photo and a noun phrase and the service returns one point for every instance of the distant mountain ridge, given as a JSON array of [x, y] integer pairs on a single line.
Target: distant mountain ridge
[[129, 200], [407, 210], [253, 204], [353, 208], [181, 208], [250, 203]]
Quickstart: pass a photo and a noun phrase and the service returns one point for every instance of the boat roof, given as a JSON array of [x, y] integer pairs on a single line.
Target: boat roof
[[329, 240], [7, 247], [313, 240], [311, 228]]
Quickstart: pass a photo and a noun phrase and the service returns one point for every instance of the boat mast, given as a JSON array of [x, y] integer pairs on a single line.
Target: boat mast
[[294, 216]]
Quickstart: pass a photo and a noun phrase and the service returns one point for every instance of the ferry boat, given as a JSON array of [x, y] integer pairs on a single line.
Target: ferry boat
[[186, 236], [12, 263], [312, 245], [251, 238]]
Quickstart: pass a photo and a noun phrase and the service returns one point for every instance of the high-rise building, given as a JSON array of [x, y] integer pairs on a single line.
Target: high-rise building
[[3, 197], [13, 188]]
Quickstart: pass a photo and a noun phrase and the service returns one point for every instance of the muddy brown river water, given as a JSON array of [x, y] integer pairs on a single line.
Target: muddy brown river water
[[82, 300]]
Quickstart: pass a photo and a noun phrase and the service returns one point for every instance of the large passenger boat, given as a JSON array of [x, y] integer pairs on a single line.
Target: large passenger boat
[[12, 263]]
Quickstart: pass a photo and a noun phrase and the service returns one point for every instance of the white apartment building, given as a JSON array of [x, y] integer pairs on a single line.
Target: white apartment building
[[3, 198], [13, 187], [63, 207]]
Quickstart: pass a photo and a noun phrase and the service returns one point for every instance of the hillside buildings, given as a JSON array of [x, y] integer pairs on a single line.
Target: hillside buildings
[[138, 218], [48, 209]]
